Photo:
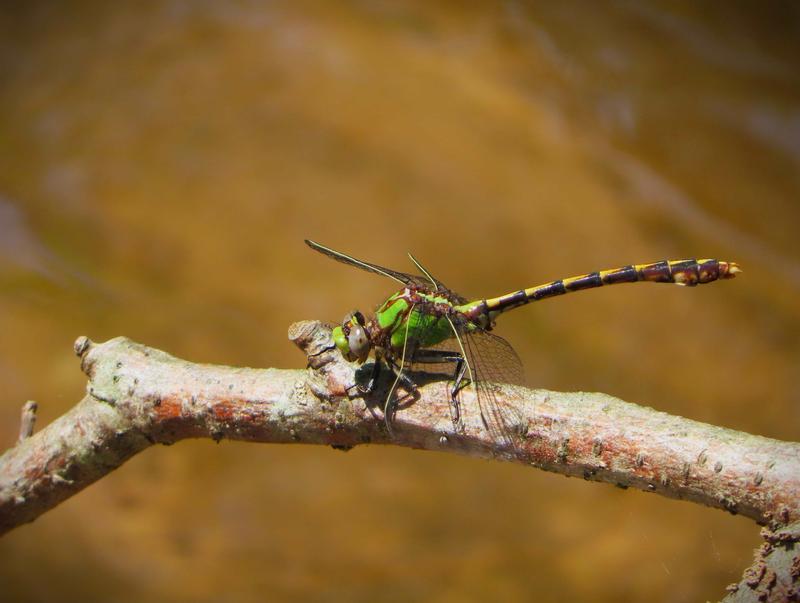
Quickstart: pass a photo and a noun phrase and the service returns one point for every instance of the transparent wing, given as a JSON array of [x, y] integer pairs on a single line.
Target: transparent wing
[[401, 277], [422, 282], [492, 362], [494, 357], [437, 368], [495, 362]]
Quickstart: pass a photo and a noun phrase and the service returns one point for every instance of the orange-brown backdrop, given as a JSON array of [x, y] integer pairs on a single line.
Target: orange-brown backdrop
[[162, 162]]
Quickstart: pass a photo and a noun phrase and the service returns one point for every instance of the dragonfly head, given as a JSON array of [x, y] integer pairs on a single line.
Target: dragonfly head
[[352, 338]]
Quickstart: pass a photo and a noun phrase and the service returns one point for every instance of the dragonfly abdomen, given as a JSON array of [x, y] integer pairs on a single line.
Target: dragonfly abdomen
[[679, 272]]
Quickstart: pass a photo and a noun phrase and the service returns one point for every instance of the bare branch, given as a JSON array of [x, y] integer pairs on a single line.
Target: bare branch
[[775, 573], [138, 396]]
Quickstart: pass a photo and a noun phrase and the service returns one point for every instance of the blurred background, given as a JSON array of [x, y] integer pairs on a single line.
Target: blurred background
[[163, 161]]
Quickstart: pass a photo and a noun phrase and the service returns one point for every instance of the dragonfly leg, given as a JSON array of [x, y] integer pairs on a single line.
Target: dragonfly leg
[[459, 382], [391, 404]]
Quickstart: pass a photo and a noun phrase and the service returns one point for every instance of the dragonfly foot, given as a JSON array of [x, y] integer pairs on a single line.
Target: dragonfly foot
[[364, 383], [392, 406]]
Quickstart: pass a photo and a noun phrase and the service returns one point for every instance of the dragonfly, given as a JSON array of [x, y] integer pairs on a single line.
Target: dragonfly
[[425, 324]]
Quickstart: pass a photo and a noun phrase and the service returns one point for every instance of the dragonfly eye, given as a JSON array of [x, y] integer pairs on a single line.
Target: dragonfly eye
[[358, 342], [352, 337]]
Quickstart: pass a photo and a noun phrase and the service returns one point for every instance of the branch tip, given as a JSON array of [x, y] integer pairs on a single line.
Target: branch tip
[[311, 336], [27, 420], [82, 345]]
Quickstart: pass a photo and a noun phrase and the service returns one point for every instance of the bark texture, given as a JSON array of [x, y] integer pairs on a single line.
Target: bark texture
[[138, 396]]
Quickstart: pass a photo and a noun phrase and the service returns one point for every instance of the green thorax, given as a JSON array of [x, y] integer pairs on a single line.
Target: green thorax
[[418, 316]]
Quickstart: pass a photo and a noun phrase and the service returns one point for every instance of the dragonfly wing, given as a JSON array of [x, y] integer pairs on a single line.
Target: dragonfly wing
[[491, 362], [496, 359], [401, 277], [494, 362], [421, 282]]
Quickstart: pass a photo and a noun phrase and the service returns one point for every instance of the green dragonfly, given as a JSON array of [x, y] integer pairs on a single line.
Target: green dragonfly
[[425, 324]]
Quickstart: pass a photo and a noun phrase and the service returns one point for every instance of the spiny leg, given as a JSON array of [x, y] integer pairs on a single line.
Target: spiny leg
[[391, 405], [366, 389], [458, 384], [441, 357]]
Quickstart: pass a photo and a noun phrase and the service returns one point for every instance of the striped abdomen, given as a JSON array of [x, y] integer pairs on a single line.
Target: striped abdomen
[[680, 272]]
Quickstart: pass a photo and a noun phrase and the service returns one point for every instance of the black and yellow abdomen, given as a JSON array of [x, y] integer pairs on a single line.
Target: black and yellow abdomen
[[680, 272]]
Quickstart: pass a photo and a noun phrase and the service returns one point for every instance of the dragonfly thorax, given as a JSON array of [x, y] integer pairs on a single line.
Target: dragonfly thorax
[[411, 318]]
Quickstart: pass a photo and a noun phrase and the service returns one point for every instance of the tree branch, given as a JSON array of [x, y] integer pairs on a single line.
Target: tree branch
[[138, 396]]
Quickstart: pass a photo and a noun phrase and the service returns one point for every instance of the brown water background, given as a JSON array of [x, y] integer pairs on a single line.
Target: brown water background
[[161, 162]]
